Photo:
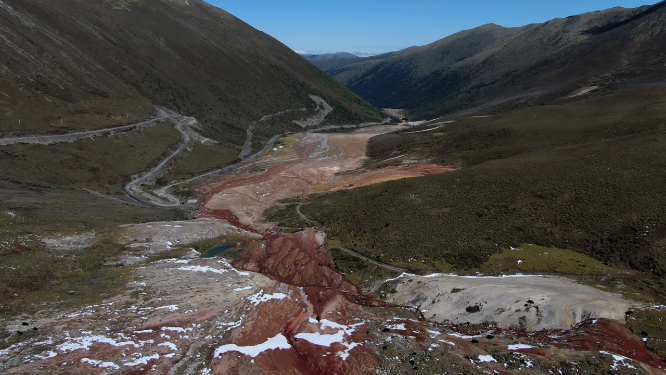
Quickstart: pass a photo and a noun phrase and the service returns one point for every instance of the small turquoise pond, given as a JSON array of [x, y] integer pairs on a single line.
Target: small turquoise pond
[[213, 251]]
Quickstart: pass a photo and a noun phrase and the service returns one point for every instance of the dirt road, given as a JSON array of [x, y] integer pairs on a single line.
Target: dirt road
[[134, 187], [49, 139], [371, 261], [162, 196], [316, 224]]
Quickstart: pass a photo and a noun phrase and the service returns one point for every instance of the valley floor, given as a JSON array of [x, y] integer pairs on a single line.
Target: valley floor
[[277, 303]]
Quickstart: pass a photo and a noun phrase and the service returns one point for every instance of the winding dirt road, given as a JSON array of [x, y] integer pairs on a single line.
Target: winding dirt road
[[371, 261], [137, 188], [49, 139], [300, 213], [353, 253]]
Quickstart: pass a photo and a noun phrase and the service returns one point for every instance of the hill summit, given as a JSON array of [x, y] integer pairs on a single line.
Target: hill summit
[[492, 68]]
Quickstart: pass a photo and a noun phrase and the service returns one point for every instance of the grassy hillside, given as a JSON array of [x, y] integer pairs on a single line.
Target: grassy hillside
[[70, 64], [584, 176], [101, 164], [492, 69], [34, 277]]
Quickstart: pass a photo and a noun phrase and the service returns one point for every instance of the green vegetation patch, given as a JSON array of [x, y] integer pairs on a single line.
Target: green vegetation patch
[[102, 164], [650, 324], [555, 177], [475, 140], [286, 217], [36, 211], [359, 271], [201, 159], [640, 286], [92, 113], [34, 278], [533, 258]]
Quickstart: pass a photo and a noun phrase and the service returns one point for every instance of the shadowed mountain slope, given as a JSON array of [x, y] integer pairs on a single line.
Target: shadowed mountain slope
[[67, 64], [491, 68]]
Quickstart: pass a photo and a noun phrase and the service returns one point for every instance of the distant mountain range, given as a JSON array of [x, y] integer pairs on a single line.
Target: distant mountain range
[[493, 68], [319, 54]]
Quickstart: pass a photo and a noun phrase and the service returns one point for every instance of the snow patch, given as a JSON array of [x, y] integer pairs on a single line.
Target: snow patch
[[487, 358], [329, 339], [397, 327], [322, 339], [619, 361], [98, 363], [345, 353], [273, 343], [405, 274], [202, 269], [171, 308], [230, 267], [455, 334], [169, 345], [49, 354], [142, 360], [520, 346], [86, 341], [260, 297]]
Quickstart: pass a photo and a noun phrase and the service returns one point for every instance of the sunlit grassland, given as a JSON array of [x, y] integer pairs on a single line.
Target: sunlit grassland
[[584, 176], [201, 159]]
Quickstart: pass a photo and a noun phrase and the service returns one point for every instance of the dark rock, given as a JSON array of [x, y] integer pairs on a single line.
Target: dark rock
[[473, 309]]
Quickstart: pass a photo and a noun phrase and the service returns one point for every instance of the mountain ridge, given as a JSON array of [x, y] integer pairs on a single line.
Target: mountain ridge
[[493, 67], [110, 61]]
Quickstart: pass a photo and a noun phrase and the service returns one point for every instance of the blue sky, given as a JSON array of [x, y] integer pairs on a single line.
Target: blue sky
[[388, 25]]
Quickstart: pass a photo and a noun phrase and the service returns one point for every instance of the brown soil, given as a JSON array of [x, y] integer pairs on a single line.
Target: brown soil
[[313, 164], [295, 259], [610, 336]]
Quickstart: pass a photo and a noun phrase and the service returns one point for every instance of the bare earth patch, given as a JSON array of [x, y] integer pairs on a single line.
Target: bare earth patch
[[315, 163]]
